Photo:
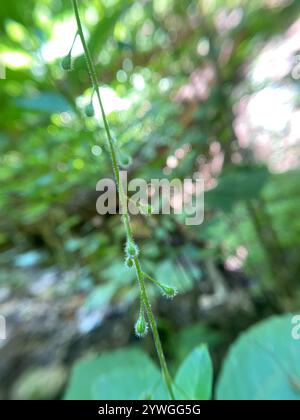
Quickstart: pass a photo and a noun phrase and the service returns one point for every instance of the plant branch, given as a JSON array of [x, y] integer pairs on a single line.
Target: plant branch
[[123, 202]]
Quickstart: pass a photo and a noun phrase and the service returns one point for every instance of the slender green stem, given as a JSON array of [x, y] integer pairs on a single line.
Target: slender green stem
[[145, 299], [151, 279], [123, 202], [73, 42]]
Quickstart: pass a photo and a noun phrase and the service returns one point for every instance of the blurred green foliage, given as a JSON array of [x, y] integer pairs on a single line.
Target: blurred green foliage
[[173, 75]]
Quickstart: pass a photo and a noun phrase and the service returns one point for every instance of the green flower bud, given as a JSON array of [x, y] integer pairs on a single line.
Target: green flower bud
[[66, 62], [141, 326], [129, 262], [131, 249], [89, 110], [125, 161], [168, 292]]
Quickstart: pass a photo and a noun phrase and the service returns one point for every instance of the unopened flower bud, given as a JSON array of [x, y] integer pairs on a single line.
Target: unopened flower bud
[[89, 110], [168, 291], [66, 63], [125, 160], [141, 326], [131, 249], [129, 262]]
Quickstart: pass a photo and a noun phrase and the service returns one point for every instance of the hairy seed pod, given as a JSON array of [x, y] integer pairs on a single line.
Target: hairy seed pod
[[168, 292], [141, 326], [89, 110], [131, 249], [66, 62], [128, 262]]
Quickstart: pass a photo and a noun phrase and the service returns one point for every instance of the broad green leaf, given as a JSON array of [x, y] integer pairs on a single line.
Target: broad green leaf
[[193, 380], [187, 338], [263, 364], [123, 374], [127, 383]]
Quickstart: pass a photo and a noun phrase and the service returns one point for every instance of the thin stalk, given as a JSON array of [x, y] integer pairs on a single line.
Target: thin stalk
[[73, 42], [153, 326], [123, 202], [151, 279]]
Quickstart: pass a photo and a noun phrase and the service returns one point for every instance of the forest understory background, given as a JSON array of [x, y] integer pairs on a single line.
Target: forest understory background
[[189, 87]]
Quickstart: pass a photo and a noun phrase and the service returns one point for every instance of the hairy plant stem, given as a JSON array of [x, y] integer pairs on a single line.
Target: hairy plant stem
[[151, 279], [123, 203]]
